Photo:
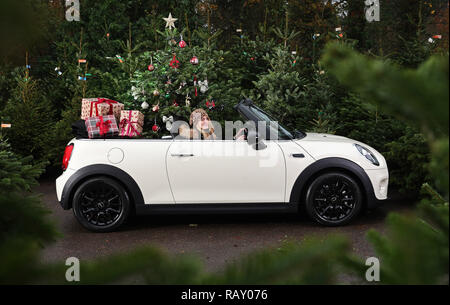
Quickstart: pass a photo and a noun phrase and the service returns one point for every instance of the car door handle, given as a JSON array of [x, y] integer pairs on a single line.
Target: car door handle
[[298, 155], [182, 155]]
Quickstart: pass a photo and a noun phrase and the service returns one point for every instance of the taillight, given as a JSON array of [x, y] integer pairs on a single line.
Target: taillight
[[67, 155]]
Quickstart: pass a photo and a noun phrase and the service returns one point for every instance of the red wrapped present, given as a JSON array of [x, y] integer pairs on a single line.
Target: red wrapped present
[[101, 126], [100, 106], [131, 122]]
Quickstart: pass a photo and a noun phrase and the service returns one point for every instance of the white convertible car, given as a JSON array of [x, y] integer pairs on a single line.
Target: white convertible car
[[330, 177]]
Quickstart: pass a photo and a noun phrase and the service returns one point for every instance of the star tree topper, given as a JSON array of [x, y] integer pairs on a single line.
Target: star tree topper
[[170, 21]]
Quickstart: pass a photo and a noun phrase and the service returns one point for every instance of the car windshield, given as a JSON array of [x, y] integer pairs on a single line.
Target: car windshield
[[283, 133]]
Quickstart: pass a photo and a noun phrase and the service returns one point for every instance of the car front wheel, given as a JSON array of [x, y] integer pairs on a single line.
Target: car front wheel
[[101, 204], [333, 199]]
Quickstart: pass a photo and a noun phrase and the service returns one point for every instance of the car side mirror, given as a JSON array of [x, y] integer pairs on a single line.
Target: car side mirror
[[254, 140]]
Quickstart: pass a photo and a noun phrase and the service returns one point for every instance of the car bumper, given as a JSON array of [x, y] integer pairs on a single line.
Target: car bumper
[[379, 179]]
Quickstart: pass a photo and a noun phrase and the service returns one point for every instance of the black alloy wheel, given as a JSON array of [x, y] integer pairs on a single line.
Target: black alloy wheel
[[333, 199], [101, 204]]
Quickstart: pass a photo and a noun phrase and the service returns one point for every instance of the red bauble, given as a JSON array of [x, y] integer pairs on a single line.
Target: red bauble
[[151, 68], [210, 104], [182, 44], [194, 60], [174, 63], [155, 128]]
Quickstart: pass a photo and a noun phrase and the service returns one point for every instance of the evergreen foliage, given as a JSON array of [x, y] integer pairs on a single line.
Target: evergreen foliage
[[175, 85], [396, 100], [416, 249], [280, 89], [419, 97], [24, 227], [118, 40], [16, 173], [31, 118]]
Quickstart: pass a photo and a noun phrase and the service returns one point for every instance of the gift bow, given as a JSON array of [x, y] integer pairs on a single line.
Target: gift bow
[[100, 101], [168, 121], [131, 130], [103, 125]]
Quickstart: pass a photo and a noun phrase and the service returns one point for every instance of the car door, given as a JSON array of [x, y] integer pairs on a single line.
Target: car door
[[225, 171]]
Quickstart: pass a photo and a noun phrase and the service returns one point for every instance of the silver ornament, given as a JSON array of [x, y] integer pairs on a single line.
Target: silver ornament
[[188, 100], [203, 86]]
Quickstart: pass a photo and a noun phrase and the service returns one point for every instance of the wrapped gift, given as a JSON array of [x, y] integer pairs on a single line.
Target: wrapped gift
[[131, 122], [101, 126], [91, 107]]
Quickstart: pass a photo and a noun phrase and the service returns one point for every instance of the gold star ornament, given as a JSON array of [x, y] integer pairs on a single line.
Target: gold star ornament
[[170, 21]]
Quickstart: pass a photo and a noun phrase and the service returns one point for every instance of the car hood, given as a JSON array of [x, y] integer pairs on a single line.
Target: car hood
[[321, 145], [324, 137]]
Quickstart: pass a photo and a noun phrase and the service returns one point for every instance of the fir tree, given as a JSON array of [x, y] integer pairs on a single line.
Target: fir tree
[[17, 173], [31, 117], [181, 79], [416, 250], [281, 89]]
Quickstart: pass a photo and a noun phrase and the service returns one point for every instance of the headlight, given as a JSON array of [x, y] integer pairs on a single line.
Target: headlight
[[368, 154]]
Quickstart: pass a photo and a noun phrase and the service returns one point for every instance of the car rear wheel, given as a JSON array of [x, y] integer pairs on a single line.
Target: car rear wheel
[[333, 199], [101, 204]]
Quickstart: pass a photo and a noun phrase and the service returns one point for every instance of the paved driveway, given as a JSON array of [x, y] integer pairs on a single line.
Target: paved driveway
[[216, 239]]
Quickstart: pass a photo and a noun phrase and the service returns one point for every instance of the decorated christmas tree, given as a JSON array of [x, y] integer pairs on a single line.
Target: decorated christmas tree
[[180, 78]]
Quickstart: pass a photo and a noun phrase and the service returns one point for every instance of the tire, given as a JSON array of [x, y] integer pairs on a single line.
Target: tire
[[333, 199], [101, 204]]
